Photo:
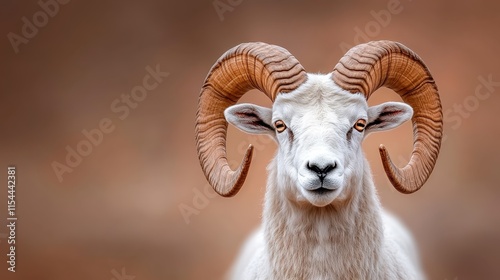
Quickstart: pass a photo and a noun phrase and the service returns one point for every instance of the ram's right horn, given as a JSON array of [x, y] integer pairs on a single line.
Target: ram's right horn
[[268, 68]]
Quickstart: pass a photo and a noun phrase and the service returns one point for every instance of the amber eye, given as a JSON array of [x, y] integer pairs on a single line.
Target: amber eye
[[360, 125], [280, 126]]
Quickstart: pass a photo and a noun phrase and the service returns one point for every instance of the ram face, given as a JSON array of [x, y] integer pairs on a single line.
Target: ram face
[[319, 129]]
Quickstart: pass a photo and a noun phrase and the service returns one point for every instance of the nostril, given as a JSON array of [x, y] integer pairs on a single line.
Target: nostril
[[329, 167], [313, 167]]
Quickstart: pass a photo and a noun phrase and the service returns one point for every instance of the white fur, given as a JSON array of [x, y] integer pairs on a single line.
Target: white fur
[[342, 233]]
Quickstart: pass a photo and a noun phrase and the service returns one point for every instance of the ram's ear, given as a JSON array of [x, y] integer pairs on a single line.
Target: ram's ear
[[387, 116], [250, 118]]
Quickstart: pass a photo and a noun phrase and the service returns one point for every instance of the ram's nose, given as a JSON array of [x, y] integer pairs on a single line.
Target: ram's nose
[[321, 168]]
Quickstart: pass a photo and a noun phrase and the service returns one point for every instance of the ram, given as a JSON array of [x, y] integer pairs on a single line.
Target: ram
[[322, 217]]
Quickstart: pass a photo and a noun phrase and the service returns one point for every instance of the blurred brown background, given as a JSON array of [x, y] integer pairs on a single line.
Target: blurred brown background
[[118, 213]]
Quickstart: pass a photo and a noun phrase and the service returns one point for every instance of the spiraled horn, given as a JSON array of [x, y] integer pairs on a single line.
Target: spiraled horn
[[268, 68], [367, 67]]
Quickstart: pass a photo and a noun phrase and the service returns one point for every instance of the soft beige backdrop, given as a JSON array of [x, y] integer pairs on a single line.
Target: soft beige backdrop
[[116, 215]]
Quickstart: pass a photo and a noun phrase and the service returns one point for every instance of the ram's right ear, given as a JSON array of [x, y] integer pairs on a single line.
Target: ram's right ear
[[387, 116], [250, 118]]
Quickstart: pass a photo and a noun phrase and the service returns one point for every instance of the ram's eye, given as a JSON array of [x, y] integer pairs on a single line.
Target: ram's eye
[[280, 126], [360, 125]]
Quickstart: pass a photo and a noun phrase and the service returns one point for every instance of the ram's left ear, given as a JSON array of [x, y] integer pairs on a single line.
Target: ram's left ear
[[387, 116]]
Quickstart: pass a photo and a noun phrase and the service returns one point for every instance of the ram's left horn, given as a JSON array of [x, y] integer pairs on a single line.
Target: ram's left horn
[[367, 67]]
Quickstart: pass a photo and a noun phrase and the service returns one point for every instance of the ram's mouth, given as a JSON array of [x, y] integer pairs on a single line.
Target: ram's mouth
[[321, 191]]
